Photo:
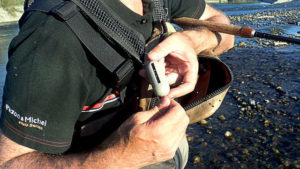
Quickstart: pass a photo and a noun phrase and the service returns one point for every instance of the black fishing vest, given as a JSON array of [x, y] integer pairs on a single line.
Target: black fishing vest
[[95, 24], [91, 20]]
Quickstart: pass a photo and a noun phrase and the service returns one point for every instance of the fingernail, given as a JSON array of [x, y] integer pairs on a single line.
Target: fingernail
[[165, 101], [153, 55]]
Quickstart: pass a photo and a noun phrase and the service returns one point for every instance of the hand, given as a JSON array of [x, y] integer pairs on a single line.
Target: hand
[[152, 136], [180, 61]]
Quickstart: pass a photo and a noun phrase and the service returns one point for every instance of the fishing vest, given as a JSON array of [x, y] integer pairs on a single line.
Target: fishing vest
[[95, 24], [91, 20]]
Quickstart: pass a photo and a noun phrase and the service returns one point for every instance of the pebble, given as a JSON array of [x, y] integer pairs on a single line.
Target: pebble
[[196, 160], [267, 122], [228, 134], [222, 118], [252, 102], [245, 151], [294, 98], [279, 88], [242, 44], [190, 139], [208, 131], [237, 128], [203, 122]]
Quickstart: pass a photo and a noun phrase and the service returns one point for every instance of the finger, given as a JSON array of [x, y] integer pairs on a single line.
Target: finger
[[143, 73], [163, 49], [154, 113], [181, 90], [188, 84], [173, 78], [164, 102], [173, 114], [145, 116]]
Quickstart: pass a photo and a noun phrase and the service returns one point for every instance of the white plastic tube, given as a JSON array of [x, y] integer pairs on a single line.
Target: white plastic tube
[[156, 74]]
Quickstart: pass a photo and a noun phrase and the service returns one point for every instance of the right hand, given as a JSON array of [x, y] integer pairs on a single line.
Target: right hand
[[181, 63], [152, 136]]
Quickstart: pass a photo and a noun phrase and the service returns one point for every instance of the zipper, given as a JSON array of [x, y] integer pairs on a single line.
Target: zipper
[[214, 93]]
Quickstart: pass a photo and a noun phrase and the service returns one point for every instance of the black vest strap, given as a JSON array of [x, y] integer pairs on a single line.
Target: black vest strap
[[108, 29], [119, 66], [122, 68], [159, 11], [113, 27]]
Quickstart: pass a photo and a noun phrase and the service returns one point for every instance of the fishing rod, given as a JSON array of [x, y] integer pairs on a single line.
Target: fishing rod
[[242, 31]]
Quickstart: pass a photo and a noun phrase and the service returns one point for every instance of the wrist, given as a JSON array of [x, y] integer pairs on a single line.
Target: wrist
[[204, 41], [115, 154]]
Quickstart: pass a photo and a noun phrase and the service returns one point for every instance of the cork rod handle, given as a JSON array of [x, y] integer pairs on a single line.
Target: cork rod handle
[[187, 23]]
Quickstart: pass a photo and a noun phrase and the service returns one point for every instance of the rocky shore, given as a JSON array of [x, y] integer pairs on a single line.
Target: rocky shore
[[272, 22], [258, 124]]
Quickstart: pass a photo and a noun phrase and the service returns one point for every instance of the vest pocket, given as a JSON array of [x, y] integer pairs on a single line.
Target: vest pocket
[[214, 80]]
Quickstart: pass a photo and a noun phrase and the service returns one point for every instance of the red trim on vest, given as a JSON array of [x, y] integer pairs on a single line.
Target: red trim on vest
[[98, 105]]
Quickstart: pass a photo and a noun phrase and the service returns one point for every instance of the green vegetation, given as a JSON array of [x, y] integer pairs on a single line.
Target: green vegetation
[[12, 6], [277, 30], [10, 3]]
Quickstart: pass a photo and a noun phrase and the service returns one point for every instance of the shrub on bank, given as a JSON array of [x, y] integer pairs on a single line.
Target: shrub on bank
[[10, 10], [10, 3]]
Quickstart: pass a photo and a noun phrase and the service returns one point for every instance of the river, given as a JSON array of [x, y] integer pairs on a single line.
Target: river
[[7, 32], [262, 107]]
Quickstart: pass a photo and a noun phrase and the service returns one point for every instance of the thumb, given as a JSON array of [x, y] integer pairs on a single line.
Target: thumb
[[161, 50], [145, 116], [164, 102]]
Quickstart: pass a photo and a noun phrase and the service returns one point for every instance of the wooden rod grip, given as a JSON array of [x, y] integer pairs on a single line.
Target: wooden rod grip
[[191, 23]]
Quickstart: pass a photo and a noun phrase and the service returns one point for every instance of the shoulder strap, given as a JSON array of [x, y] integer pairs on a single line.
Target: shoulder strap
[[112, 26], [159, 10], [109, 24], [119, 66]]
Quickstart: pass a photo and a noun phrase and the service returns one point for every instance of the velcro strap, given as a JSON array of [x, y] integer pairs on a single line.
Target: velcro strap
[[124, 73]]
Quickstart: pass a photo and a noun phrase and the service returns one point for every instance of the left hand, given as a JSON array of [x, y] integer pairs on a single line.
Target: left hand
[[180, 62]]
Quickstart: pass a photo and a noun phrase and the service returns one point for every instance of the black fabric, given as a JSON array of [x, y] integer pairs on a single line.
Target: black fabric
[[111, 26], [120, 67], [50, 77], [185, 8]]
